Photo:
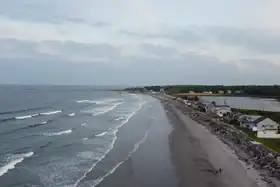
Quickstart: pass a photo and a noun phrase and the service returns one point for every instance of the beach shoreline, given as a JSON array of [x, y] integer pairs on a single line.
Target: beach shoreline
[[235, 172]]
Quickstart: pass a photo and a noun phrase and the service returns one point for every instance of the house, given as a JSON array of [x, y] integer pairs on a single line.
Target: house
[[161, 90], [210, 108], [229, 91], [219, 110], [267, 128], [249, 121], [263, 126], [221, 92], [223, 110], [238, 91]]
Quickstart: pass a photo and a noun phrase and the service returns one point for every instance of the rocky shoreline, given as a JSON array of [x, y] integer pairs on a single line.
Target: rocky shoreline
[[255, 155]]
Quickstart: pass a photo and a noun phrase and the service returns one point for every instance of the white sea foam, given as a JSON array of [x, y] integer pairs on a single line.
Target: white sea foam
[[24, 117], [103, 110], [50, 112], [83, 101], [106, 101], [44, 122], [14, 160], [120, 118], [85, 139], [111, 146], [136, 147], [101, 134], [72, 114], [84, 124], [58, 133]]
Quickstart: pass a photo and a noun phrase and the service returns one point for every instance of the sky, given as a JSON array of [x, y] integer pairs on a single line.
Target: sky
[[139, 42]]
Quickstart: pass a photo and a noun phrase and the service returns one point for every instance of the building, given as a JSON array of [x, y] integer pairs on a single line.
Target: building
[[219, 110], [229, 92], [249, 121], [267, 128], [161, 90], [221, 92], [263, 126], [238, 91], [223, 110]]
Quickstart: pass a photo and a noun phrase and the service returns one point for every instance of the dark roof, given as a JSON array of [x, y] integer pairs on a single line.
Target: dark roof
[[260, 119]]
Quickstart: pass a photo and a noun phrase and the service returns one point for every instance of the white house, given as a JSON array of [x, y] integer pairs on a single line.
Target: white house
[[267, 128], [219, 110], [223, 110], [221, 92]]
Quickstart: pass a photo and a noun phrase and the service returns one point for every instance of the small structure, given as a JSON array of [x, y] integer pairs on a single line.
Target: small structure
[[219, 110], [267, 128], [238, 91], [223, 110], [221, 92], [249, 121], [229, 91]]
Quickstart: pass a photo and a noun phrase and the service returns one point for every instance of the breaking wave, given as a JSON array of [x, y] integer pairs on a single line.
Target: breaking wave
[[50, 112], [72, 114], [103, 133], [24, 117], [13, 161], [136, 147], [83, 101], [99, 102], [58, 133], [111, 146]]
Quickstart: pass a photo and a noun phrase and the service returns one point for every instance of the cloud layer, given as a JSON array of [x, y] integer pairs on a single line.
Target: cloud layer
[[90, 42]]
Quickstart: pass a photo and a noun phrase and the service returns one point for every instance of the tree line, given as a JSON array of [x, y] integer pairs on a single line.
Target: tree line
[[251, 90]]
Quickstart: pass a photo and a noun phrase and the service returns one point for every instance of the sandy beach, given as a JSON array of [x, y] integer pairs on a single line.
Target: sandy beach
[[179, 152]]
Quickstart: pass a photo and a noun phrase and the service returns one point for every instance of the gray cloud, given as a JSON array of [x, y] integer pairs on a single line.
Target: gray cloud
[[158, 50], [252, 40], [256, 40], [179, 35], [21, 62], [45, 11]]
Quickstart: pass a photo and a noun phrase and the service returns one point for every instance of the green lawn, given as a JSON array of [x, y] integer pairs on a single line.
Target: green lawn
[[273, 144]]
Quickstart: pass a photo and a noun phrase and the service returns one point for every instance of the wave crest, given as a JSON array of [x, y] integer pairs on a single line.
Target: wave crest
[[14, 160], [58, 133]]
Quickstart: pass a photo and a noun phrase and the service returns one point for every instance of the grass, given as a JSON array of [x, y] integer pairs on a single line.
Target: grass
[[273, 144], [272, 115]]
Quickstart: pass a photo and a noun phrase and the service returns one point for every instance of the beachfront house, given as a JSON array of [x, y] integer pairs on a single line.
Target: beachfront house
[[267, 128], [223, 110], [218, 110], [249, 121], [221, 92], [263, 126]]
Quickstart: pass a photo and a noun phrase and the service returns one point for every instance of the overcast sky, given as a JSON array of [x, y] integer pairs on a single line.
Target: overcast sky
[[139, 42]]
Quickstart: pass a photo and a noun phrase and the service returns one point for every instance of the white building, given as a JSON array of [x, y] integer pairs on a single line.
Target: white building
[[221, 92], [267, 128], [263, 126], [219, 110]]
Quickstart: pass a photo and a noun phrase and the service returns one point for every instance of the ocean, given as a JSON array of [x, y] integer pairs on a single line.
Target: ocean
[[58, 136]]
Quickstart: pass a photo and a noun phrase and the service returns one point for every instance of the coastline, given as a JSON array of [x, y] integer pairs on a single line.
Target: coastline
[[217, 153]]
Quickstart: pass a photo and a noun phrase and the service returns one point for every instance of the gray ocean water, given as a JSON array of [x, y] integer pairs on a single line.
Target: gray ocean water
[[69, 136]]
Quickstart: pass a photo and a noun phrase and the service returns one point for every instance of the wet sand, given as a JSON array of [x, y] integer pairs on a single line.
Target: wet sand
[[178, 152]]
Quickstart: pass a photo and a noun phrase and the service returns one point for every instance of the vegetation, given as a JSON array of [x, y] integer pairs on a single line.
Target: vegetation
[[135, 89], [273, 144], [272, 115], [242, 90]]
